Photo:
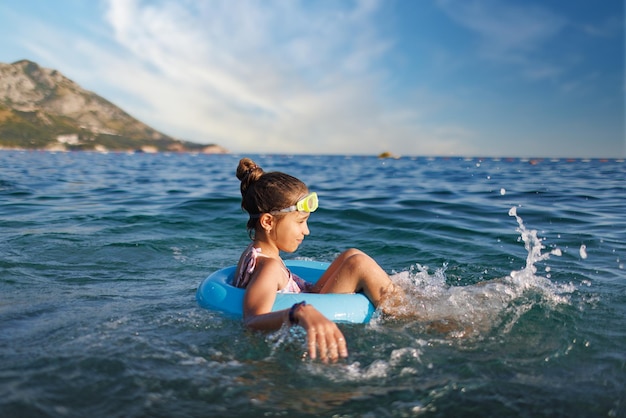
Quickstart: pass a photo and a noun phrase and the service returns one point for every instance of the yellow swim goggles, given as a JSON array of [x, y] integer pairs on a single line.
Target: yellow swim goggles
[[307, 204]]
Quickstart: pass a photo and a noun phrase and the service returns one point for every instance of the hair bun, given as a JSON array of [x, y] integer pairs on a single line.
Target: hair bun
[[246, 167], [248, 172]]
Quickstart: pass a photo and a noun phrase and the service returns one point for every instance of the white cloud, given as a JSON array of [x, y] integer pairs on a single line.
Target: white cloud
[[290, 78]]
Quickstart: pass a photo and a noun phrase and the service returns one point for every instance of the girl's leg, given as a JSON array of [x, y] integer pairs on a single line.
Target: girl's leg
[[355, 271]]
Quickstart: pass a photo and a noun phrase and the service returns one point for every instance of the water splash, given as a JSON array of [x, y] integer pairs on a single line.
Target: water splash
[[475, 310], [532, 243]]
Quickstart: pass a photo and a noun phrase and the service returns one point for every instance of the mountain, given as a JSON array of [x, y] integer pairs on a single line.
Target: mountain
[[42, 109]]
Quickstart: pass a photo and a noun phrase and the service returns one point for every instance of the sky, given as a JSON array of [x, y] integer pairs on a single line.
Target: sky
[[483, 78]]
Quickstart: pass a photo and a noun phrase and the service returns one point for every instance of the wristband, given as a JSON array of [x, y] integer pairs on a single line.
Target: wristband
[[292, 312]]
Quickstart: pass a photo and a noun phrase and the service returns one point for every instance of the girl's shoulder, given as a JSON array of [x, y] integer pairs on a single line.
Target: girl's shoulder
[[267, 264], [269, 274]]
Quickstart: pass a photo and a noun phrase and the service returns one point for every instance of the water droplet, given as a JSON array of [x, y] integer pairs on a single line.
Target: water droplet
[[583, 251]]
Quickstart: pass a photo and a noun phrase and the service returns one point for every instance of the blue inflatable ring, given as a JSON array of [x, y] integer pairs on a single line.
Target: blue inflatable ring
[[216, 293]]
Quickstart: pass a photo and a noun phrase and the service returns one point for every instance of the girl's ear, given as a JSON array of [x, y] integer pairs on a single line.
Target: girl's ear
[[267, 222]]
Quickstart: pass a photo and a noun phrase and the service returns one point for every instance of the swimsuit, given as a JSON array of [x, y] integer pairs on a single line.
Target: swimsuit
[[295, 284]]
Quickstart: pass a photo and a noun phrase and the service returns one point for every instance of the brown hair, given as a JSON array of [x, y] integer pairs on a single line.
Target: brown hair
[[263, 192]]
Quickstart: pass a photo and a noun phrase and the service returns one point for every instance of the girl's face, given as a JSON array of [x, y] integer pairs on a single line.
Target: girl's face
[[291, 230]]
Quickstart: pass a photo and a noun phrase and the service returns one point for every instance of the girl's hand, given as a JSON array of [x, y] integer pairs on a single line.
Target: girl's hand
[[322, 334]]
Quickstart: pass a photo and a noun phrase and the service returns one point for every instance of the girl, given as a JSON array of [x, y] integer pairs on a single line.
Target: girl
[[279, 206]]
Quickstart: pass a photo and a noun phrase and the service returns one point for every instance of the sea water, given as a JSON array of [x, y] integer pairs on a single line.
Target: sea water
[[513, 271]]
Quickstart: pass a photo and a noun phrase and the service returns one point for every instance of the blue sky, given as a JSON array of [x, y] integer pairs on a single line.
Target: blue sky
[[520, 78]]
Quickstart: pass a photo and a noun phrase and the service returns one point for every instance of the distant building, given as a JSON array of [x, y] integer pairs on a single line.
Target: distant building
[[149, 149], [69, 139]]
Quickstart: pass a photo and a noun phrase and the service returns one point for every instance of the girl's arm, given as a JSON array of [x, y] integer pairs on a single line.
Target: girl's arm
[[322, 333], [260, 296]]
